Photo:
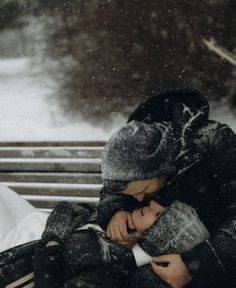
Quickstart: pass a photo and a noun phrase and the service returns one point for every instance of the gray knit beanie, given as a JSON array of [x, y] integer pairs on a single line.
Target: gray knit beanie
[[139, 151], [178, 230]]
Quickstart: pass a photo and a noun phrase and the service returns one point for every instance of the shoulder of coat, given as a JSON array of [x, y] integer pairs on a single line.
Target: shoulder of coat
[[205, 134]]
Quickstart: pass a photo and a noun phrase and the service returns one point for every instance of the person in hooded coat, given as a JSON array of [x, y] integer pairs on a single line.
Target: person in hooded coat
[[203, 175], [87, 258]]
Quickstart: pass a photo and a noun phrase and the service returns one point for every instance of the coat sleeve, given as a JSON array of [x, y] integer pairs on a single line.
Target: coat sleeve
[[48, 267], [215, 259]]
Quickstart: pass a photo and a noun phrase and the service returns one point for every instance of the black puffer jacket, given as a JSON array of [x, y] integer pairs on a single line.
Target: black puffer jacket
[[206, 180]]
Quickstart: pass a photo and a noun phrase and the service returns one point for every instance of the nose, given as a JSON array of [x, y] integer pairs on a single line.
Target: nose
[[139, 197], [152, 204]]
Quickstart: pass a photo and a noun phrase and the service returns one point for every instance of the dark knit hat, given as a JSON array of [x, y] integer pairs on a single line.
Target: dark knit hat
[[139, 151]]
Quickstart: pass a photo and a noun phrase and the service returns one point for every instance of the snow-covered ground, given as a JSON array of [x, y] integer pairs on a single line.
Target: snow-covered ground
[[30, 110], [223, 113]]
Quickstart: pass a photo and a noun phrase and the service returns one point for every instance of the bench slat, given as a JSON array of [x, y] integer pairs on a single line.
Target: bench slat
[[45, 173], [50, 152], [49, 203], [46, 198], [55, 165], [51, 143], [45, 210], [51, 177], [61, 189]]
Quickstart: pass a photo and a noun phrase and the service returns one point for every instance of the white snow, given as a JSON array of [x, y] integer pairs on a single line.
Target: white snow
[[222, 112], [104, 246], [217, 257], [30, 109], [20, 221], [28, 229]]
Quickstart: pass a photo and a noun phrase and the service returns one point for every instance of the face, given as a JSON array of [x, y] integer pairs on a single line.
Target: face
[[140, 188], [144, 217]]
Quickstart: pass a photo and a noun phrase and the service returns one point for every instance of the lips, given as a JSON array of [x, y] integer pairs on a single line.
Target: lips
[[142, 211]]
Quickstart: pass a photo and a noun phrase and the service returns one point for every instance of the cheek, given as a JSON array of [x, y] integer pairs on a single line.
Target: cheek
[[152, 219], [148, 220], [153, 188]]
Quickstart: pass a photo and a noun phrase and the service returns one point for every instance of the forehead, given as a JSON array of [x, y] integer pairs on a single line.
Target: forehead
[[136, 186]]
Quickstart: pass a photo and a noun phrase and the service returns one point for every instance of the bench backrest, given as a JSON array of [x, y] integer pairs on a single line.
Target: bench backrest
[[45, 173]]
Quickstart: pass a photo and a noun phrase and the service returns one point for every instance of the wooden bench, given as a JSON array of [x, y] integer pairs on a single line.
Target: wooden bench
[[45, 173]]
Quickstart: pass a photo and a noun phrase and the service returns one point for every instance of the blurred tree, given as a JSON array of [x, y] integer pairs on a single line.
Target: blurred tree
[[12, 13], [113, 53]]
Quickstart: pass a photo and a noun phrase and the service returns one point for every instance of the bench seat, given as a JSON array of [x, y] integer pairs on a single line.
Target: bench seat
[[45, 173]]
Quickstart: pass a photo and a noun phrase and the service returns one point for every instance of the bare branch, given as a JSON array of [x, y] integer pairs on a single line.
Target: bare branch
[[222, 52]]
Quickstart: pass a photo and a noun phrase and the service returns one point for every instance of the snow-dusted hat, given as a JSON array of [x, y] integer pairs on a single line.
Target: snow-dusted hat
[[139, 151]]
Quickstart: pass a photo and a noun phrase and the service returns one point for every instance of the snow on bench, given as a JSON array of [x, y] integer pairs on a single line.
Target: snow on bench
[[45, 173]]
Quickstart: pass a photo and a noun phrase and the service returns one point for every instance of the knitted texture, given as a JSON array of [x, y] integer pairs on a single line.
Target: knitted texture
[[59, 223], [139, 151], [178, 230], [83, 214]]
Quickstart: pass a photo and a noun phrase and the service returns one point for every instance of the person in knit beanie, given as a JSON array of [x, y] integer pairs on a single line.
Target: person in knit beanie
[[177, 230], [204, 158], [87, 258], [137, 151], [141, 156]]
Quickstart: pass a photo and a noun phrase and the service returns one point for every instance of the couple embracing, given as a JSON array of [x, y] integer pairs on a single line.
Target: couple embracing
[[167, 214]]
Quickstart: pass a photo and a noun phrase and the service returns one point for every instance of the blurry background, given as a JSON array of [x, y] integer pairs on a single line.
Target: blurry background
[[74, 70]]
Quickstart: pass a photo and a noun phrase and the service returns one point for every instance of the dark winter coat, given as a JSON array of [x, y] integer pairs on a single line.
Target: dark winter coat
[[30, 263], [206, 180], [43, 267], [16, 263], [87, 258]]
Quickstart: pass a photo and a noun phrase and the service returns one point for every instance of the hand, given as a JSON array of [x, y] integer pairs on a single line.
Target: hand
[[175, 274], [117, 228]]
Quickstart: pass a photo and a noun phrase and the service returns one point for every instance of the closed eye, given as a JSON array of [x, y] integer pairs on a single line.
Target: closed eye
[[140, 192]]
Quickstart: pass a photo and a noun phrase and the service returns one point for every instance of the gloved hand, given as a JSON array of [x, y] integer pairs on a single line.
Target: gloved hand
[[91, 248], [84, 214], [59, 223]]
